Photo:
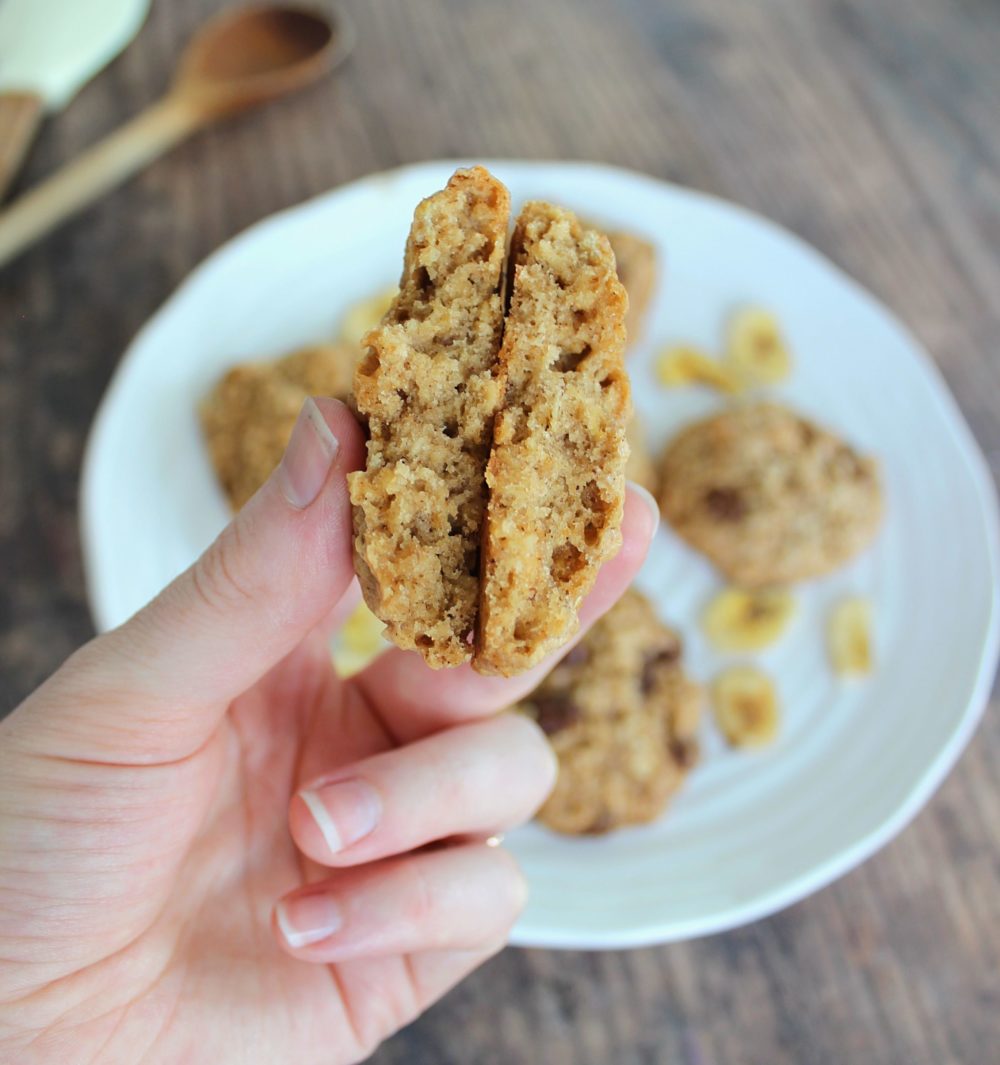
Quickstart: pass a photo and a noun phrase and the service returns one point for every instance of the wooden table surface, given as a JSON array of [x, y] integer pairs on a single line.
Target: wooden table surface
[[869, 127]]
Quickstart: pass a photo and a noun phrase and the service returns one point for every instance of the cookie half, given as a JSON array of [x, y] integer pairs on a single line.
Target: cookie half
[[622, 718], [769, 497], [556, 474], [427, 387]]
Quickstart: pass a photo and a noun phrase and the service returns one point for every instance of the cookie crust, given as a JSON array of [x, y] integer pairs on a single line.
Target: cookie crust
[[637, 270]]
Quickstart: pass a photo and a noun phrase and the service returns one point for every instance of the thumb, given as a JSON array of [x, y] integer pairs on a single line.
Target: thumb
[[155, 688]]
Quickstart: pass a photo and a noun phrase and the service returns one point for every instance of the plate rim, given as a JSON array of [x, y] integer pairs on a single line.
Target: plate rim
[[923, 787]]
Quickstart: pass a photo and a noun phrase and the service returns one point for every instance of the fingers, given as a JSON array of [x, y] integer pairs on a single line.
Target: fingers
[[477, 778], [462, 898], [435, 972], [414, 700], [382, 995], [273, 574]]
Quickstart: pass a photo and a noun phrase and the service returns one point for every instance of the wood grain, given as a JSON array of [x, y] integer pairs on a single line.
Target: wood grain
[[871, 128], [20, 117]]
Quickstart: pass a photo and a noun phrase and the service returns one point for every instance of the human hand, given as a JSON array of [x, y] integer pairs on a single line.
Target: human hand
[[179, 776]]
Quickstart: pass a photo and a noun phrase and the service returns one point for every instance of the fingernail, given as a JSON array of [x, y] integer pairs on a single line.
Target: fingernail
[[305, 919], [647, 497], [308, 457], [344, 812]]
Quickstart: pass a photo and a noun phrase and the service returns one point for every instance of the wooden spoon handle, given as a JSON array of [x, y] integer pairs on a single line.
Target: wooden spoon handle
[[20, 117], [97, 170]]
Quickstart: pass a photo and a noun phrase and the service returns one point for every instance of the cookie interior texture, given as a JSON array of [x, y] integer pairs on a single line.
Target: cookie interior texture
[[768, 496], [556, 471], [427, 388], [622, 718], [248, 417]]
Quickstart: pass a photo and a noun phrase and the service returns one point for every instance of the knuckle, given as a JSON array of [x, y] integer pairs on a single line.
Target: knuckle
[[387, 1006], [515, 895], [216, 576], [419, 893]]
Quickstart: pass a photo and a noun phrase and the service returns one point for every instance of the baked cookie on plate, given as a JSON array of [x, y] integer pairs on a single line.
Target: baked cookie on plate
[[768, 496], [622, 718]]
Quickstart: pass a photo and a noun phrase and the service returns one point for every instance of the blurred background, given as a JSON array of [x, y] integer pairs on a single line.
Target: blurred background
[[869, 127]]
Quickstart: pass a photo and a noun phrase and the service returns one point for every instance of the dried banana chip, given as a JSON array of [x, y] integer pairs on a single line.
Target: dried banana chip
[[687, 365], [358, 642], [849, 637], [365, 315], [756, 352], [738, 620], [745, 704]]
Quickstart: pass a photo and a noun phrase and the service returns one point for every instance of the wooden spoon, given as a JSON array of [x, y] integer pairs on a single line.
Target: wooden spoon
[[241, 58]]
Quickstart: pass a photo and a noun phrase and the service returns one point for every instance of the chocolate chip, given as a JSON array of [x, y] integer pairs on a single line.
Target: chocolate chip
[[726, 504], [684, 752], [655, 660], [851, 463], [555, 712], [602, 823]]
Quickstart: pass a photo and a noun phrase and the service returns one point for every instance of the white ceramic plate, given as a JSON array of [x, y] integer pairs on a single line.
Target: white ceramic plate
[[751, 832]]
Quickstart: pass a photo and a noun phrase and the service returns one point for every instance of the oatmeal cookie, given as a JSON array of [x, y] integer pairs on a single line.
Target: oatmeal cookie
[[769, 497], [556, 472], [248, 417], [427, 387], [321, 369], [622, 719]]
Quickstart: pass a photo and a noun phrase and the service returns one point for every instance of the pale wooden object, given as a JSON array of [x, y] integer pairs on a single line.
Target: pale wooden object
[[20, 117], [238, 60], [868, 126], [94, 172]]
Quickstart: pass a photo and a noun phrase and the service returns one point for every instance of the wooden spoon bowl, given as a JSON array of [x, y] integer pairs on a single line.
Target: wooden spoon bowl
[[246, 56]]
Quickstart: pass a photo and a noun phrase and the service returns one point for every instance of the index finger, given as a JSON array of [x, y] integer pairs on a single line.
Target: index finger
[[413, 700]]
